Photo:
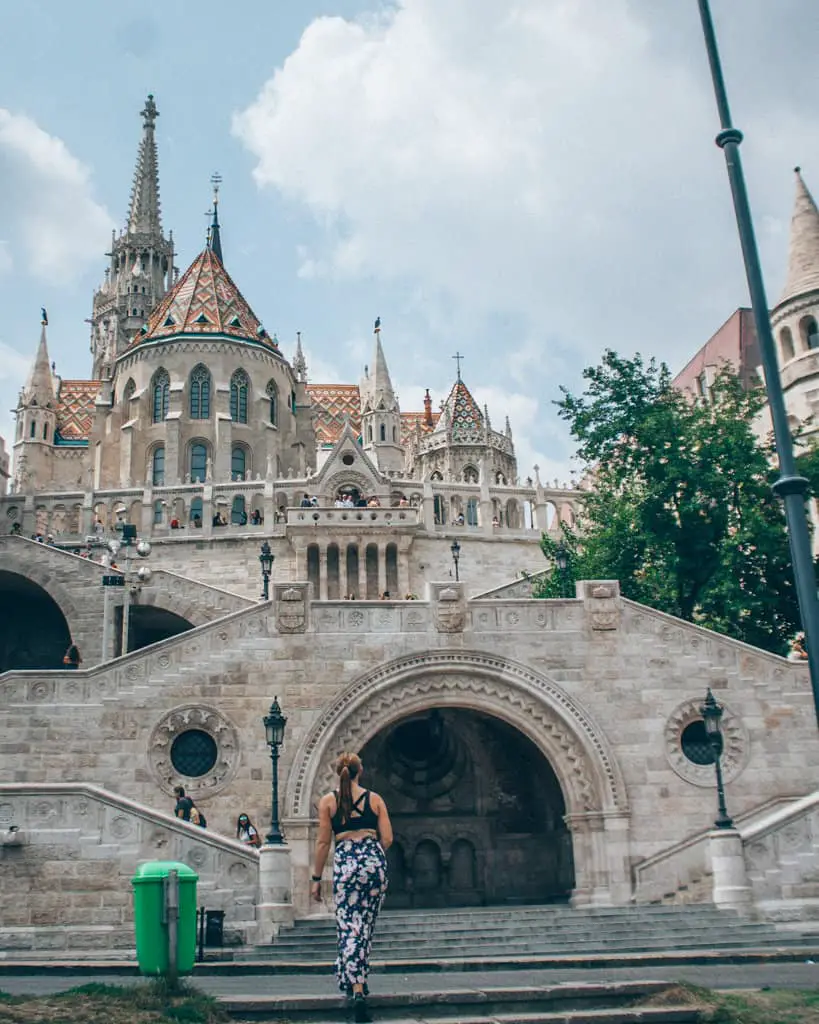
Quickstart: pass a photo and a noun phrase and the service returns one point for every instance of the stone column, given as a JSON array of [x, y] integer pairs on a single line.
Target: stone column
[[362, 570], [274, 904], [323, 574], [342, 571], [427, 510], [382, 569], [731, 889], [403, 569]]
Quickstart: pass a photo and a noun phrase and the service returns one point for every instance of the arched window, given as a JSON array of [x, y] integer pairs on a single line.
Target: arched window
[[810, 332], [239, 387], [196, 512], [33, 430], [383, 432], [369, 433], [238, 463], [272, 393], [158, 467], [394, 434], [45, 431], [128, 393], [238, 513], [199, 462], [436, 476], [200, 393], [161, 389], [159, 509], [470, 475], [472, 512], [786, 344]]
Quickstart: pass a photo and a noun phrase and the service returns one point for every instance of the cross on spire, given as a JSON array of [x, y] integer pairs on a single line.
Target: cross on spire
[[150, 113], [458, 357]]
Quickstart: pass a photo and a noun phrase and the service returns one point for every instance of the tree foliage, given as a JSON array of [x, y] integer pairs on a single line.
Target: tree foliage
[[681, 510]]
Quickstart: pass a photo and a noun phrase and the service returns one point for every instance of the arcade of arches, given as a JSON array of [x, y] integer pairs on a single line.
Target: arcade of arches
[[477, 812], [34, 633]]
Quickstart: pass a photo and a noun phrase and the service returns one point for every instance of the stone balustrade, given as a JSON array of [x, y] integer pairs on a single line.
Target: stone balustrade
[[357, 518]]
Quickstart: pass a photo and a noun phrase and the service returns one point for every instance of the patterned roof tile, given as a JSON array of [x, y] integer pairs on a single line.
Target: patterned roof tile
[[75, 408]]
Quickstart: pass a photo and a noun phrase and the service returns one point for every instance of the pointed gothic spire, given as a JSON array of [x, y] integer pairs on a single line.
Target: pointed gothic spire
[[381, 383], [40, 384], [144, 213], [803, 260], [214, 237], [299, 362]]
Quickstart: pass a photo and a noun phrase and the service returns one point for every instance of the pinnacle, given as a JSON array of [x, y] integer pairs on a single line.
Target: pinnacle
[[40, 383], [803, 261], [144, 215]]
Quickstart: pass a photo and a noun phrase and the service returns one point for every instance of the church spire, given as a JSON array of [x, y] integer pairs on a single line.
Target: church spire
[[299, 362], [144, 212], [39, 389], [381, 384], [214, 237], [803, 260]]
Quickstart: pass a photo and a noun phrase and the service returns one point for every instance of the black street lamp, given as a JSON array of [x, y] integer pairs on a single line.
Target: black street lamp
[[712, 713], [562, 562], [274, 723], [790, 486], [455, 548], [266, 559]]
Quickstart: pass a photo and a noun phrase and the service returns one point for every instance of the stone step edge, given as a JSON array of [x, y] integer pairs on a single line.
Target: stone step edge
[[669, 1014], [676, 958]]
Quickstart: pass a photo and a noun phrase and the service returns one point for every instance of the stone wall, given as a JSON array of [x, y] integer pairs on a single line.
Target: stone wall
[[67, 868]]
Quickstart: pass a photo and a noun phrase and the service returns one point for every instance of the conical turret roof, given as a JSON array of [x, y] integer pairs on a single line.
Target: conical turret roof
[[39, 389], [803, 260], [205, 300], [461, 413]]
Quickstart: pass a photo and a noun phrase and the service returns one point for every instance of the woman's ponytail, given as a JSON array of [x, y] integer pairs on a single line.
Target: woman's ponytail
[[347, 766]]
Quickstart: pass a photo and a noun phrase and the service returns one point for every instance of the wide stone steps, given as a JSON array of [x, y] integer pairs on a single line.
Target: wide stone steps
[[534, 931], [615, 1003]]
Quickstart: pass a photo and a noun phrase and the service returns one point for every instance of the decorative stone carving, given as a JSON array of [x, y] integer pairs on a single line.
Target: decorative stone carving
[[601, 599], [735, 745], [181, 719], [291, 609], [450, 608]]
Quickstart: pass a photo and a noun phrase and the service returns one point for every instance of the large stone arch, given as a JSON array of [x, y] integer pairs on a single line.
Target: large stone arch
[[43, 576], [164, 599], [540, 709]]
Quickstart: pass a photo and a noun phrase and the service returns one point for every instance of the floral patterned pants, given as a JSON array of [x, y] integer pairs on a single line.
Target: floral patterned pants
[[359, 887]]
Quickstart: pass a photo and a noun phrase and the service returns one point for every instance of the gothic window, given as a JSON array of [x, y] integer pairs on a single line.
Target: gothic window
[[500, 479], [239, 387], [198, 462], [128, 393], [272, 393], [394, 434], [158, 467], [161, 389], [158, 511], [238, 513], [472, 512], [196, 511], [33, 430], [200, 393], [238, 463], [436, 476], [45, 431], [369, 434], [786, 344], [470, 475], [810, 332], [383, 432]]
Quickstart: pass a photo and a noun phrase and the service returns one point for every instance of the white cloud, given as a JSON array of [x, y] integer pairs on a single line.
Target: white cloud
[[47, 204]]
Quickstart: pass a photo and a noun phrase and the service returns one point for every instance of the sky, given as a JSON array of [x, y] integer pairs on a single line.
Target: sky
[[527, 183]]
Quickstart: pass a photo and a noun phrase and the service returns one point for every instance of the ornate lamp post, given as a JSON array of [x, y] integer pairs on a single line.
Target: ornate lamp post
[[455, 548], [562, 563], [712, 713], [790, 486], [266, 559], [274, 723], [133, 582]]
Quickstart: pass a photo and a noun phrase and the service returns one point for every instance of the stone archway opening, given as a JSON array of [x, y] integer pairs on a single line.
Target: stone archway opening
[[149, 625], [35, 634], [477, 810]]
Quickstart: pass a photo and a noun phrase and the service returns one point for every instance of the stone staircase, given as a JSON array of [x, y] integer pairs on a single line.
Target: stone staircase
[[539, 932], [629, 1002]]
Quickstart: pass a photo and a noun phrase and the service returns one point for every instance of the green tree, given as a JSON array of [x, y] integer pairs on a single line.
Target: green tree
[[681, 512]]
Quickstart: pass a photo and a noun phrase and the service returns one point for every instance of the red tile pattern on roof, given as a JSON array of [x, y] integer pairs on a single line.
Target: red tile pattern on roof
[[333, 404], [410, 419], [205, 300], [75, 408]]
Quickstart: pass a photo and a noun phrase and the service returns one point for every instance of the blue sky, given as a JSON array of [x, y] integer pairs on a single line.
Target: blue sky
[[527, 183]]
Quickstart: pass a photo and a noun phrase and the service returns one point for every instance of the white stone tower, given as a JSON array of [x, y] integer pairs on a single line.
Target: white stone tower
[[36, 422], [141, 269], [380, 413], [795, 317]]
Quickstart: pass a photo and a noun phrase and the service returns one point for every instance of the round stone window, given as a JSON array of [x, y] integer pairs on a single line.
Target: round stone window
[[193, 753], [348, 459], [695, 744]]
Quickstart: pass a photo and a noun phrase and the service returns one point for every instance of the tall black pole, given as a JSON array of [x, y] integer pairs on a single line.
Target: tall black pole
[[723, 821], [274, 836], [791, 487]]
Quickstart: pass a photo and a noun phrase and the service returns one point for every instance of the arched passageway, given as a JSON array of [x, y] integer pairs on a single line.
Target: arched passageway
[[34, 633], [149, 625], [477, 809]]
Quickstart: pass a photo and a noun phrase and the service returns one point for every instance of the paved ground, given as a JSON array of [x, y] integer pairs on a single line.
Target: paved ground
[[723, 976]]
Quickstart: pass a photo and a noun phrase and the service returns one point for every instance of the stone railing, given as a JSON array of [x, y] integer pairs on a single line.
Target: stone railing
[[92, 841], [782, 861], [672, 871], [358, 518]]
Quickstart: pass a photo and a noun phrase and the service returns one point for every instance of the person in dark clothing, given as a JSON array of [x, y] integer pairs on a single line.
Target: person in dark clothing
[[71, 658], [184, 804]]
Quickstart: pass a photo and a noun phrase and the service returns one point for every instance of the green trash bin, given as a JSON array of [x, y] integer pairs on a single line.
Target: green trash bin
[[151, 919]]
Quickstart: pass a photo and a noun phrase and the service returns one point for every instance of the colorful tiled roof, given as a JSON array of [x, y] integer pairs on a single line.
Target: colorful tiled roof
[[205, 300], [464, 414], [410, 419], [75, 408], [333, 404]]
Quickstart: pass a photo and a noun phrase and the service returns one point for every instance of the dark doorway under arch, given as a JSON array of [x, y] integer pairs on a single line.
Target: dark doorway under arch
[[34, 633], [477, 810], [149, 625]]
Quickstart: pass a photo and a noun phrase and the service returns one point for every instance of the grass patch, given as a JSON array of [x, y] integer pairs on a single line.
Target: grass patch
[[153, 1003], [778, 1006]]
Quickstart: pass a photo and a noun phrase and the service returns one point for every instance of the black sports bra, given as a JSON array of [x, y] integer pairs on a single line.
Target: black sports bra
[[360, 818]]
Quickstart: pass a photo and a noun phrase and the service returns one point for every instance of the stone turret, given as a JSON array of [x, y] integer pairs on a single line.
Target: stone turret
[[141, 269], [380, 413], [795, 318], [36, 422]]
